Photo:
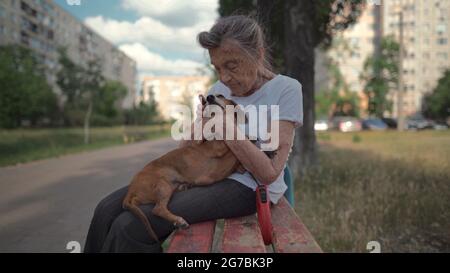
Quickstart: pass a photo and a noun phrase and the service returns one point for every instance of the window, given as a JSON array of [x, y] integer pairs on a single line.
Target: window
[[441, 28], [14, 18], [355, 55], [27, 9], [442, 41], [50, 34], [35, 43], [442, 55], [354, 41]]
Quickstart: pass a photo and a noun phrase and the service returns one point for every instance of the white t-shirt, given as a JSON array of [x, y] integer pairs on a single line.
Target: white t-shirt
[[283, 91]]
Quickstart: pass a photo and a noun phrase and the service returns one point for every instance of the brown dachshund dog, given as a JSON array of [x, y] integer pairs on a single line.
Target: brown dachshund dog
[[197, 165]]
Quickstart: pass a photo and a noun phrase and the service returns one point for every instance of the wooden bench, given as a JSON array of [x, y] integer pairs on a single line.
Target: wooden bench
[[242, 235]]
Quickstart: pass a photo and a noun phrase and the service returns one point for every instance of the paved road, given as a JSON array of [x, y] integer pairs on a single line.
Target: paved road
[[45, 204]]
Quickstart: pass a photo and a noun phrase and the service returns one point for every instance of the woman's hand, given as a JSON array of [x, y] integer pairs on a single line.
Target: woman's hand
[[265, 169], [226, 128]]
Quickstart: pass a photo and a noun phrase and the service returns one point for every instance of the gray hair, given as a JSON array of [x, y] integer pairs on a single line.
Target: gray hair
[[240, 28]]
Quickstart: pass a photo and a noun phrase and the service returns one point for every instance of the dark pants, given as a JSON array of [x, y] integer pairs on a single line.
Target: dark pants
[[116, 230]]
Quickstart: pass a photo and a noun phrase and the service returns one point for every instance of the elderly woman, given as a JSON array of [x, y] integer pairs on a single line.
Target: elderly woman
[[237, 51]]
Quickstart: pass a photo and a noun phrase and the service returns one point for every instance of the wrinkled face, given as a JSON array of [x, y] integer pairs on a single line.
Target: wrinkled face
[[234, 68]]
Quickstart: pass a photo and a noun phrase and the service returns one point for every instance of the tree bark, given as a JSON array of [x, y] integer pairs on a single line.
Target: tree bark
[[299, 64], [264, 10]]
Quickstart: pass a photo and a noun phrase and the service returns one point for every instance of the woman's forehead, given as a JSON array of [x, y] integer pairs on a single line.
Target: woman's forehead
[[226, 52]]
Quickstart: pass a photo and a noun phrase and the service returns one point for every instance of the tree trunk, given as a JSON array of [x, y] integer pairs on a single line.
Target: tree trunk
[[264, 10], [299, 62], [87, 119]]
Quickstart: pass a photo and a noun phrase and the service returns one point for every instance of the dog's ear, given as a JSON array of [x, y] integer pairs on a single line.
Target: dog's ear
[[230, 101], [202, 99]]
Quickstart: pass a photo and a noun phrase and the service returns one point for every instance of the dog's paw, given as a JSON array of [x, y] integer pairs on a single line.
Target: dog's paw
[[181, 223], [183, 187]]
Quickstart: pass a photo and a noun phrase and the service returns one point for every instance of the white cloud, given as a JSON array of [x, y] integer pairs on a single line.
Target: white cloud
[[164, 40], [153, 64], [175, 12], [153, 34]]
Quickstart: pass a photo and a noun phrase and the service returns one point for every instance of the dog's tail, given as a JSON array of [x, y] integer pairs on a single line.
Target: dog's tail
[[130, 204]]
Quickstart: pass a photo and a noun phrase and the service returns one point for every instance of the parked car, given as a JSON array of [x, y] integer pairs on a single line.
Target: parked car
[[390, 122], [418, 122], [440, 126], [374, 124], [346, 124], [321, 125]]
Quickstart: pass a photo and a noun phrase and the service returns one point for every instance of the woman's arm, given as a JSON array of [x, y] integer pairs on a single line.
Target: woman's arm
[[265, 169]]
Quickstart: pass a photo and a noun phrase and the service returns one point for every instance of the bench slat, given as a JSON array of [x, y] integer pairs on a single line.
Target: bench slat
[[290, 234], [198, 238], [242, 235]]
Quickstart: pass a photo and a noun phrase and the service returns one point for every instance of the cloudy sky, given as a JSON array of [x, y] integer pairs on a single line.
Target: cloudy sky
[[159, 34]]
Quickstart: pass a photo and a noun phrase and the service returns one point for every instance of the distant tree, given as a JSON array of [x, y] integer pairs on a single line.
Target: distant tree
[[107, 101], [24, 91], [145, 113], [380, 75], [436, 105], [81, 86], [339, 100], [187, 100]]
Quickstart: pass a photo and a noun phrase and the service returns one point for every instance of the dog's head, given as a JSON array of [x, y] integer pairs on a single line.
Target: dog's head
[[222, 102]]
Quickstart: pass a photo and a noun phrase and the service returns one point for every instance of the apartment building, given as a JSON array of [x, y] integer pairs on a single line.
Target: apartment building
[[426, 26], [352, 47], [173, 92], [43, 26], [426, 37]]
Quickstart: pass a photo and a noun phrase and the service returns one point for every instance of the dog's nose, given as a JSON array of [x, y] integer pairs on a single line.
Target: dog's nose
[[210, 98]]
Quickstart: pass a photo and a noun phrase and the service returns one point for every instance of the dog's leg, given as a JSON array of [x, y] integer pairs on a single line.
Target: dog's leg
[[164, 193]]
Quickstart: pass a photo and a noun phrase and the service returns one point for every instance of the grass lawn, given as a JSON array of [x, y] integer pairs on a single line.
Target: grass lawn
[[24, 145], [389, 187]]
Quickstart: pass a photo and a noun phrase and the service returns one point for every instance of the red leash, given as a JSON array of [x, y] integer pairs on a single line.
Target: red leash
[[263, 212]]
